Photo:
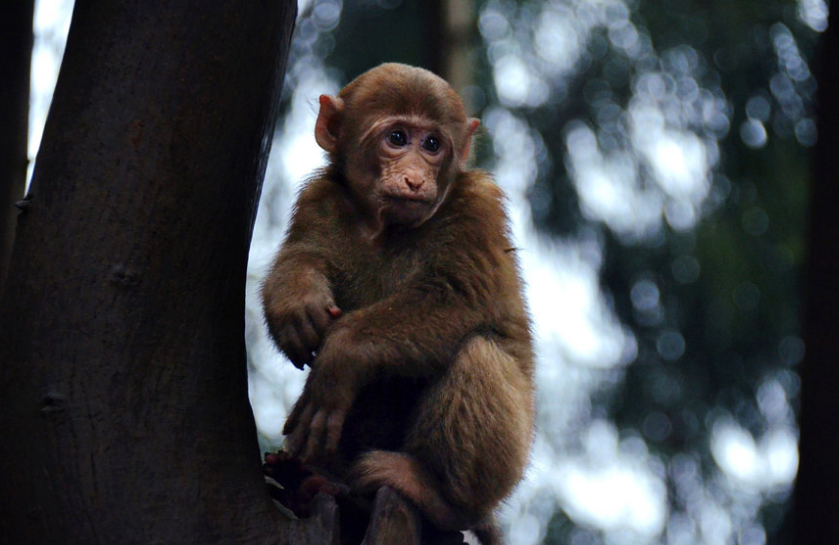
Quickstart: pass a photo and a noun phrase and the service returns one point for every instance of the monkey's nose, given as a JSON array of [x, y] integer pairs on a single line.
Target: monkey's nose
[[414, 184]]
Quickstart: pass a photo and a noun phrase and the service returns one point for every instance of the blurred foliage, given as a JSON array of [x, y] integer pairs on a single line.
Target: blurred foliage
[[739, 309], [399, 29], [728, 290]]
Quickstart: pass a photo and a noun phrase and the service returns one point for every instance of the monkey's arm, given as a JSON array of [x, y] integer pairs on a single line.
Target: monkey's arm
[[297, 295], [412, 333], [299, 304], [415, 332]]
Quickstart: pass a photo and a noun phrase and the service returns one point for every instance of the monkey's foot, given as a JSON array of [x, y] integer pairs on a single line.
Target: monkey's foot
[[294, 485]]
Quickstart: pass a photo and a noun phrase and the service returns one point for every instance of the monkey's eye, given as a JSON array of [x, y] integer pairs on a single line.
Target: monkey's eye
[[398, 138], [431, 144]]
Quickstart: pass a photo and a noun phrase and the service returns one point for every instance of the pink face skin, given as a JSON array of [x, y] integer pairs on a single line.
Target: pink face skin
[[399, 168], [411, 154]]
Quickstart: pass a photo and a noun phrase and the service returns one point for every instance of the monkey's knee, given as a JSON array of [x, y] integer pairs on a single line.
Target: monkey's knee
[[408, 476], [474, 428]]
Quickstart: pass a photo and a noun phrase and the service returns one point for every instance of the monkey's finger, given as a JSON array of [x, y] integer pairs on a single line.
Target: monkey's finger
[[301, 409], [298, 438], [294, 348], [316, 431], [309, 335], [334, 425], [298, 361], [293, 443], [320, 320], [291, 424]]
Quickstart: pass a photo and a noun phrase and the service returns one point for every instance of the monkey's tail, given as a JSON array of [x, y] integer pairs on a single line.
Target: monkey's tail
[[405, 474]]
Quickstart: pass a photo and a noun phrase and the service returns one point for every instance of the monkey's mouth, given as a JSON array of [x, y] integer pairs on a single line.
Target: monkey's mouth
[[409, 204], [406, 199], [406, 209]]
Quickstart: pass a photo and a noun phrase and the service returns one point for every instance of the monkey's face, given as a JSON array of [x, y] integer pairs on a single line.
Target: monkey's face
[[409, 178], [399, 135]]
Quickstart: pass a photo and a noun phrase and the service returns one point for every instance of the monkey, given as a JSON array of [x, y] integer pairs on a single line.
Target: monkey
[[398, 285]]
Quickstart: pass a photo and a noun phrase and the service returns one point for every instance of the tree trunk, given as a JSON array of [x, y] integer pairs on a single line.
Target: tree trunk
[[16, 45], [124, 415], [458, 18], [451, 24], [815, 515]]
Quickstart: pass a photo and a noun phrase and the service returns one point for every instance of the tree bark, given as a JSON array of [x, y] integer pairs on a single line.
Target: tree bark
[[124, 414], [16, 45], [815, 515], [458, 25], [450, 24]]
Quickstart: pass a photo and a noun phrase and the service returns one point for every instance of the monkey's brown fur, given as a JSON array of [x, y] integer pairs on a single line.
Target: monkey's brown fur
[[397, 283]]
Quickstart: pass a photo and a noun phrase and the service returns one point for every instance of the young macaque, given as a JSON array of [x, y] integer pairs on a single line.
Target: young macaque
[[398, 285]]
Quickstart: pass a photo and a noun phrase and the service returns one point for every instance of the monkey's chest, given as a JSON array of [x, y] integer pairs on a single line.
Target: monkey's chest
[[375, 276]]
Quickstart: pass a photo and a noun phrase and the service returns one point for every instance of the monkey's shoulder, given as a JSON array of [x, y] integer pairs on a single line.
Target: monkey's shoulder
[[478, 183], [476, 191], [477, 205], [323, 209], [321, 195]]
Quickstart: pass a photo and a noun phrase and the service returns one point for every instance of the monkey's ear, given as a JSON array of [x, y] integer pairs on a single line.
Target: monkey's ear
[[329, 122], [471, 125]]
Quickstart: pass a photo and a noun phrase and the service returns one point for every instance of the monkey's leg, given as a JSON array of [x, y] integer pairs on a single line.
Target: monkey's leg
[[294, 484], [468, 446]]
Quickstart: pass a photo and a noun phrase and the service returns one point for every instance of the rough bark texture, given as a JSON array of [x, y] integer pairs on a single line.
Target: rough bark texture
[[322, 528], [16, 48], [124, 415], [817, 490]]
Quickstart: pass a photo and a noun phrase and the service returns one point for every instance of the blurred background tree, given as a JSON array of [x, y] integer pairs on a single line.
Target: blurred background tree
[[657, 161]]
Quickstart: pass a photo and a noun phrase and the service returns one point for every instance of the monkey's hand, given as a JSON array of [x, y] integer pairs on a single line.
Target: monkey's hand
[[314, 425], [298, 323]]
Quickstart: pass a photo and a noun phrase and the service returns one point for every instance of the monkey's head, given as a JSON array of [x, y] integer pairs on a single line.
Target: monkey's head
[[399, 135]]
